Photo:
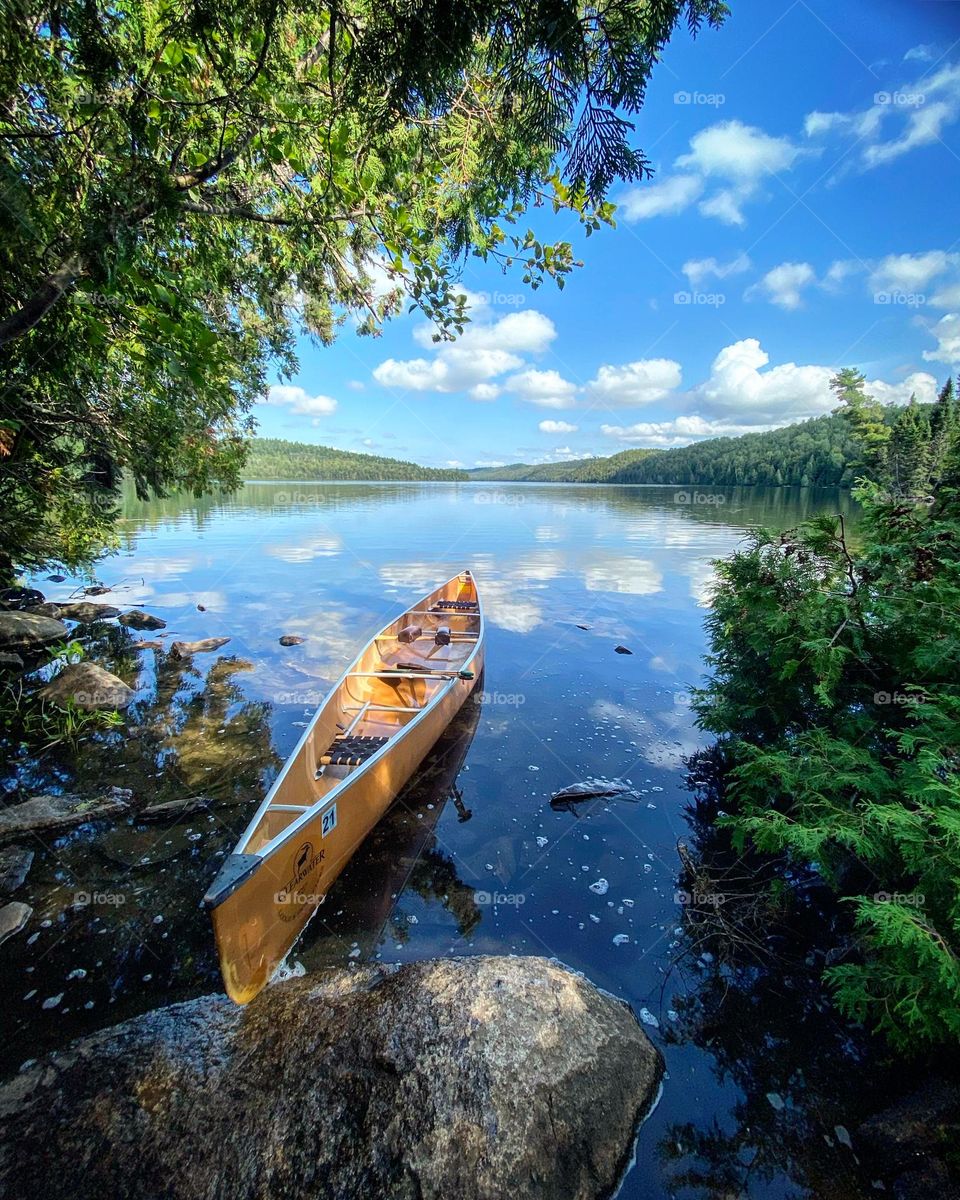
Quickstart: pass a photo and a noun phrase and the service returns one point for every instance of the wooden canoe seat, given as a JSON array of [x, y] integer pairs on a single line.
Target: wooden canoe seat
[[351, 750]]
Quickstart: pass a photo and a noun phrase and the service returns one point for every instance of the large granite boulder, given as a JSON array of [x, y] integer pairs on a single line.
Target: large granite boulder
[[458, 1079]]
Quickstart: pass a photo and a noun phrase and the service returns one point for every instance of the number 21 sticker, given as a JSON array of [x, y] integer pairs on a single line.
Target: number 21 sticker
[[329, 821]]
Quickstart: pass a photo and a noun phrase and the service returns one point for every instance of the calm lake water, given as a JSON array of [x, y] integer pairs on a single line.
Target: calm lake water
[[473, 860]]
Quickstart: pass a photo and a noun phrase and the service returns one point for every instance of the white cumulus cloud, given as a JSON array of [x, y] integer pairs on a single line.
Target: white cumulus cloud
[[670, 195], [738, 384], [915, 114], [556, 427], [298, 400], [910, 272], [734, 156], [680, 431], [699, 270], [947, 333], [487, 349], [739, 152], [784, 284], [635, 383], [545, 389]]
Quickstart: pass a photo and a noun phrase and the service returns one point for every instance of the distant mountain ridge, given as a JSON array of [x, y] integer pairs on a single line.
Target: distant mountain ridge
[[274, 458], [819, 452]]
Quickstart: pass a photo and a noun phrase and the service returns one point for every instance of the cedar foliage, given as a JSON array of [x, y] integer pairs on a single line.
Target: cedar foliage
[[835, 691]]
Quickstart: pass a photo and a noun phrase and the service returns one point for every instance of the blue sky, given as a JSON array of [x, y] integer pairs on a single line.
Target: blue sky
[[802, 218]]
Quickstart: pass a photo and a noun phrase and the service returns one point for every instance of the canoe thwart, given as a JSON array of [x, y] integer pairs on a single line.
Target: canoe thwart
[[235, 870], [351, 751]]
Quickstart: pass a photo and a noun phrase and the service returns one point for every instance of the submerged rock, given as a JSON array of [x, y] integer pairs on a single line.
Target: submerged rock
[[591, 789], [622, 650], [86, 611], [15, 864], [59, 812], [174, 808], [13, 918], [204, 646], [460, 1078], [136, 618], [29, 631], [89, 686], [291, 639]]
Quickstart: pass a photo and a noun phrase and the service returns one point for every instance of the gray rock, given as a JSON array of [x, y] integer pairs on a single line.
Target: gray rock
[[29, 631], [291, 639], [47, 609], [86, 611], [15, 864], [59, 812], [13, 917], [204, 646], [10, 661], [136, 618], [89, 686], [458, 1079]]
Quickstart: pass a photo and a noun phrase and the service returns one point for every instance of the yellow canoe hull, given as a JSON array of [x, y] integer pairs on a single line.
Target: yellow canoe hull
[[314, 819]]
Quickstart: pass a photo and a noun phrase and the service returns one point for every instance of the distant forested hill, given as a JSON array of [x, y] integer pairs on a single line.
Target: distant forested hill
[[581, 470], [815, 453], [274, 458]]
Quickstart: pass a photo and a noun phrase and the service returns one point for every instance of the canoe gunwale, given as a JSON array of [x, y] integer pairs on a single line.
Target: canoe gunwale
[[450, 680]]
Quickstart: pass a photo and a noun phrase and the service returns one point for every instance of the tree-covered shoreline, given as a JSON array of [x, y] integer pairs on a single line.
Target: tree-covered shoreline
[[276, 458], [834, 690]]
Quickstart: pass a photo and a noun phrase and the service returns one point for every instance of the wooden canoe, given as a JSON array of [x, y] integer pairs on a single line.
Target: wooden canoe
[[367, 738]]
